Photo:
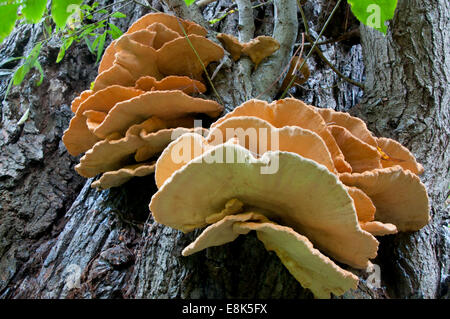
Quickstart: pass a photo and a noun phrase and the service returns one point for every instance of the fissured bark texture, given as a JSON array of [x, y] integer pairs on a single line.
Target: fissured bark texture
[[59, 238]]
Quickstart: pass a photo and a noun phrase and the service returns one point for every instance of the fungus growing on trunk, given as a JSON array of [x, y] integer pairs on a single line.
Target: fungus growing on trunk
[[306, 201], [292, 112], [354, 125], [123, 175], [397, 154], [172, 82], [251, 132], [311, 182], [399, 196], [361, 156], [134, 59], [78, 138], [170, 22], [257, 49], [178, 58], [391, 152], [309, 266], [166, 105], [157, 45], [139, 101], [284, 196], [110, 155]]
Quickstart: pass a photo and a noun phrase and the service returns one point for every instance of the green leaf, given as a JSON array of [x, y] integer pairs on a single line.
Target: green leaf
[[189, 2], [118, 15], [29, 62], [24, 117], [63, 9], [8, 89], [38, 66], [374, 13], [213, 21], [114, 31], [20, 73], [87, 31], [89, 45], [33, 10], [95, 43], [48, 28], [62, 50], [7, 60], [101, 44], [8, 17], [61, 53], [34, 54]]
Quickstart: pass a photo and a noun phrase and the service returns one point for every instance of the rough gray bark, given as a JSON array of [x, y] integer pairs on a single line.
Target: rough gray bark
[[54, 231], [407, 98]]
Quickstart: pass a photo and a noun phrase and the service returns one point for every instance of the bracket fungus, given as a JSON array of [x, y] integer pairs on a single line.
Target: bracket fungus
[[314, 184], [172, 23], [157, 45], [308, 265], [257, 49], [292, 112], [329, 195], [398, 195], [141, 99]]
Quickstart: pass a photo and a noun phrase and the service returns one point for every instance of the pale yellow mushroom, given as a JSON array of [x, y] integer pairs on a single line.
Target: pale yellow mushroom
[[78, 138], [166, 105], [399, 196], [172, 82], [121, 176], [361, 156], [171, 22], [300, 194], [292, 112]]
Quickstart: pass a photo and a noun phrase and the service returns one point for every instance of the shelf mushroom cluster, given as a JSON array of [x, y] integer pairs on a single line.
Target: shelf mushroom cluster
[[334, 187], [141, 98]]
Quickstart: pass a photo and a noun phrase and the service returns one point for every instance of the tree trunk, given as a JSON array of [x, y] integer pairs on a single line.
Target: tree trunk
[[60, 239]]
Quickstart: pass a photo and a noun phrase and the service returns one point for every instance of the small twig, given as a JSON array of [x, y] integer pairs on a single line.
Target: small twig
[[345, 36], [200, 60], [312, 48], [218, 68], [320, 53], [301, 52], [339, 73], [302, 13]]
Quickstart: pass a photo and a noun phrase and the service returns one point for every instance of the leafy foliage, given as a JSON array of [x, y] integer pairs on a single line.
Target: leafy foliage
[[374, 13], [72, 26], [33, 10], [63, 9], [29, 63], [8, 16]]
